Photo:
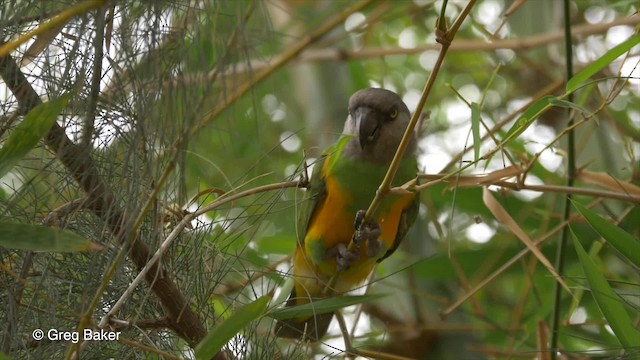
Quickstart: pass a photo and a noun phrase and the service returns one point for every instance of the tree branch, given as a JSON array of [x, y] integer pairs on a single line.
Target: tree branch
[[102, 202]]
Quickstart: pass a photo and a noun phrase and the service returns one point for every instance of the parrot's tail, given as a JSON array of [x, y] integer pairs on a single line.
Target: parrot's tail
[[311, 328]]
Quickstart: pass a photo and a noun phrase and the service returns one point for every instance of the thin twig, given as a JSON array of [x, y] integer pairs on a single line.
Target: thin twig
[[479, 181], [55, 22], [96, 78]]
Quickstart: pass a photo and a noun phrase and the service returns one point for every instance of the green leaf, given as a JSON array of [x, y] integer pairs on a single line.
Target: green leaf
[[475, 129], [608, 301], [27, 134], [322, 306], [626, 244], [42, 238], [529, 116], [580, 78], [223, 332], [568, 105]]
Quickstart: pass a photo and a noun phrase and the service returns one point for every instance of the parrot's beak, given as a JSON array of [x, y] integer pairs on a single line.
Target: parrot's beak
[[368, 125]]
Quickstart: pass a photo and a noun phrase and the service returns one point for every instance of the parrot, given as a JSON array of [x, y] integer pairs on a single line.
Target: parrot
[[343, 183]]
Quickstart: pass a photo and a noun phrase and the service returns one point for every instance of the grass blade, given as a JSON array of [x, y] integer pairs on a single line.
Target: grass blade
[[223, 332], [608, 301], [42, 238], [322, 306], [626, 244], [606, 59], [27, 134], [529, 116], [475, 130]]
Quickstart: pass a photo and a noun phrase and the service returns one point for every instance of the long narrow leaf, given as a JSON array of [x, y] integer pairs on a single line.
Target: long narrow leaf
[[222, 333], [475, 129], [503, 216], [608, 301], [322, 306], [42, 238], [606, 59], [27, 134], [626, 244], [529, 116]]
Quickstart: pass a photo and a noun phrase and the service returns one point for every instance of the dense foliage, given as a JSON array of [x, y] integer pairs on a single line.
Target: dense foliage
[[188, 128]]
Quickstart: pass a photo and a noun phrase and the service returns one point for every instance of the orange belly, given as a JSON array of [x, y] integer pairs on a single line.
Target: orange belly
[[332, 224]]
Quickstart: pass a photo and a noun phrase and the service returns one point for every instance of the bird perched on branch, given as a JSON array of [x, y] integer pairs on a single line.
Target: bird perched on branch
[[344, 182]]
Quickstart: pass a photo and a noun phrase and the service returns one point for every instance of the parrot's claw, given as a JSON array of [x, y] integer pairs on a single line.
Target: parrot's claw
[[359, 218], [344, 258], [373, 247], [369, 231]]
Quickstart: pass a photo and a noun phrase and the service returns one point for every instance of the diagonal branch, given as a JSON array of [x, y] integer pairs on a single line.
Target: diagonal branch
[[103, 203]]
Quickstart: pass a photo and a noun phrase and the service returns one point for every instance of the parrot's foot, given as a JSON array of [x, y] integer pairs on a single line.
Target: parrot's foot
[[344, 257], [369, 231]]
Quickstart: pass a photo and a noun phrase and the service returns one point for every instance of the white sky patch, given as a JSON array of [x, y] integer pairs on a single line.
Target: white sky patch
[[269, 103], [388, 84], [631, 69], [617, 35], [290, 169], [492, 99], [506, 55], [591, 49], [411, 98], [407, 38], [239, 346], [414, 82], [54, 60], [336, 342], [489, 15], [278, 115], [201, 219], [550, 159], [597, 14], [579, 316], [354, 21], [11, 182], [428, 59], [456, 139], [108, 130], [516, 104], [489, 11], [470, 92], [290, 141], [433, 162], [276, 109], [539, 136], [529, 195], [480, 233], [457, 112]]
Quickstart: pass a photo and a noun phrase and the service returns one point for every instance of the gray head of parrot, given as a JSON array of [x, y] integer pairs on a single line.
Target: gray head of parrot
[[377, 121]]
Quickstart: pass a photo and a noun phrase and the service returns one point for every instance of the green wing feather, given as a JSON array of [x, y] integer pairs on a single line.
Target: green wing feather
[[316, 192]]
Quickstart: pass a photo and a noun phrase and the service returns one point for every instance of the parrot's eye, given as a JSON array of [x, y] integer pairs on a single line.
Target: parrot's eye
[[393, 114]]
